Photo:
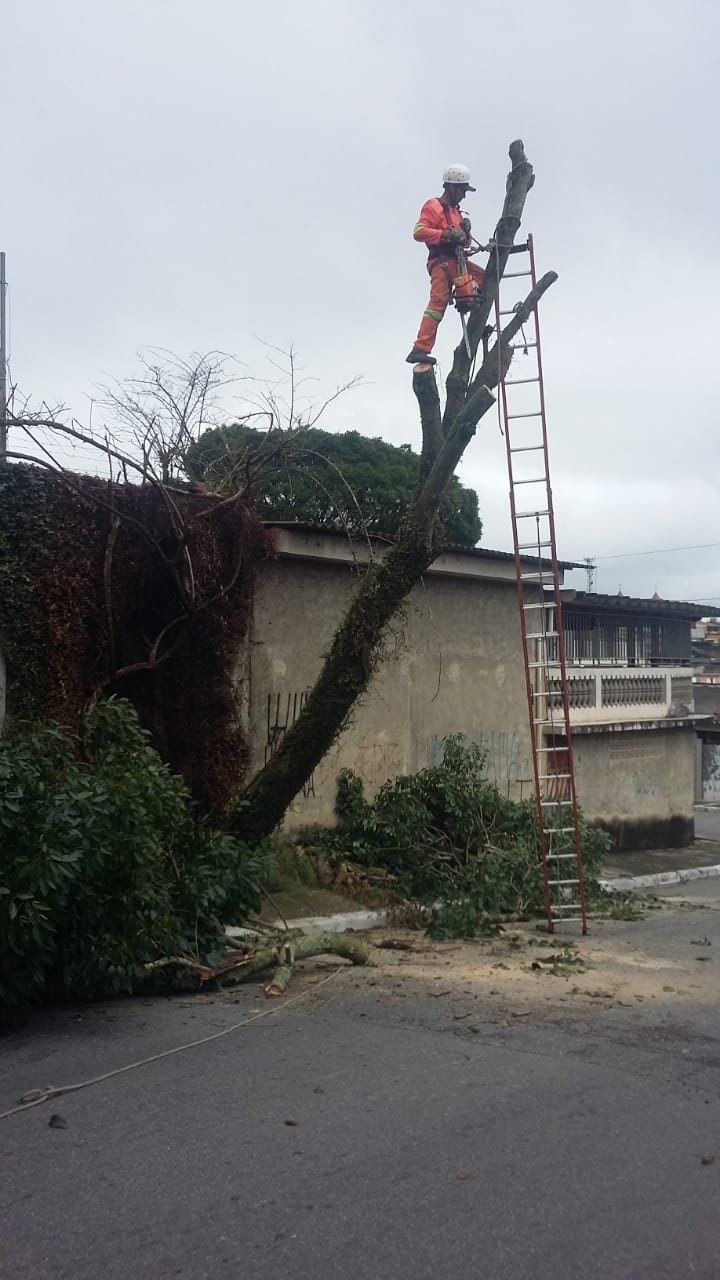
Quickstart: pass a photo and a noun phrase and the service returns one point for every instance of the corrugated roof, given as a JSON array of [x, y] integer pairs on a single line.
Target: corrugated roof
[[633, 604], [453, 548]]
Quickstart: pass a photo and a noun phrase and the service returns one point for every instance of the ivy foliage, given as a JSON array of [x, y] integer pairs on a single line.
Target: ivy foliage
[[25, 560], [104, 863], [343, 480], [89, 581], [449, 836]]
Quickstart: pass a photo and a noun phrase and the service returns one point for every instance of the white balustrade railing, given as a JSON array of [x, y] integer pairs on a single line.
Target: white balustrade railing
[[625, 693]]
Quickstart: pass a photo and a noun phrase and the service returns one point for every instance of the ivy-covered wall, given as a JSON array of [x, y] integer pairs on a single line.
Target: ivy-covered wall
[[89, 581]]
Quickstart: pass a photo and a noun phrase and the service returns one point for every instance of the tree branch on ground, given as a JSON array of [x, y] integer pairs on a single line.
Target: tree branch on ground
[[281, 957]]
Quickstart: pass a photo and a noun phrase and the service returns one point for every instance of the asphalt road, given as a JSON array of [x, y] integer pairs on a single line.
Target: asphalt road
[[371, 1133], [706, 891]]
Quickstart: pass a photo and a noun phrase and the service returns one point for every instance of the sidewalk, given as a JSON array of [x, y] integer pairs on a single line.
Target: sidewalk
[[662, 866], [325, 910]]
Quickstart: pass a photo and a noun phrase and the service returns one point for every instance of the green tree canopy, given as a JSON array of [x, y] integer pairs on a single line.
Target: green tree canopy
[[344, 479]]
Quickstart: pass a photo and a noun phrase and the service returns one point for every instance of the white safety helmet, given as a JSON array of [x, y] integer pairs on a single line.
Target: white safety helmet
[[460, 174]]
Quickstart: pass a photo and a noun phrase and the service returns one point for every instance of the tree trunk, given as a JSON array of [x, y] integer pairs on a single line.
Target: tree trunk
[[357, 646], [280, 956]]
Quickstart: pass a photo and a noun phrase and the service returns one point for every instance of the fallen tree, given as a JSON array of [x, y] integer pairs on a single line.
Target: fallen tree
[[246, 959], [357, 646]]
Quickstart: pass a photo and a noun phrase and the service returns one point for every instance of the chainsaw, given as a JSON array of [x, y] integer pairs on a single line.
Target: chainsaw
[[467, 293]]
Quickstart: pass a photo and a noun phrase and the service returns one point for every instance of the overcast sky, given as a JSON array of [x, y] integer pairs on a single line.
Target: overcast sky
[[205, 175]]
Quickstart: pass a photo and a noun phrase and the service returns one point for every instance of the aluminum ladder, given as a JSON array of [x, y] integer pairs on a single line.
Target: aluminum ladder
[[533, 524]]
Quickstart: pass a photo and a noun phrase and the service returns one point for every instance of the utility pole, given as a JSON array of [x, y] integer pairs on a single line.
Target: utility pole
[[590, 569], [3, 360]]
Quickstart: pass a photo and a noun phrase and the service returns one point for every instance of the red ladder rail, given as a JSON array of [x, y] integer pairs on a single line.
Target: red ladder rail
[[536, 567]]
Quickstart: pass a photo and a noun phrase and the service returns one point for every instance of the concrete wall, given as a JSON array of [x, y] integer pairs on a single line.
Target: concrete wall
[[638, 785], [454, 666]]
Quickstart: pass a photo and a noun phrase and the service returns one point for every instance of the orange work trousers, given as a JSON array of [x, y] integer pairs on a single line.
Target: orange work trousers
[[439, 298]]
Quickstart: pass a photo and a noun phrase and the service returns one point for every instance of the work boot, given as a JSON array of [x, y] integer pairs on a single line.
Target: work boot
[[420, 357]]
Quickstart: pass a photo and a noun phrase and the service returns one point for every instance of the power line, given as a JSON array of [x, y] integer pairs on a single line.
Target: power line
[[658, 551]]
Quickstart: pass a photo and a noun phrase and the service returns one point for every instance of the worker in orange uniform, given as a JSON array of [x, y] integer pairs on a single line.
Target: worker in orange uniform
[[444, 229]]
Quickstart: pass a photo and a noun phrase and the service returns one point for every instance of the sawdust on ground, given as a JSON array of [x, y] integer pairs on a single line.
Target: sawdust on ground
[[619, 965]]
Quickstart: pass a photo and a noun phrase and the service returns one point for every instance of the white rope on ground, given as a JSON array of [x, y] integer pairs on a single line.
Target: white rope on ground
[[37, 1096]]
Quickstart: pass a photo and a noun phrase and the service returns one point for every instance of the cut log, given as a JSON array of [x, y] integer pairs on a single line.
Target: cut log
[[279, 980], [238, 967]]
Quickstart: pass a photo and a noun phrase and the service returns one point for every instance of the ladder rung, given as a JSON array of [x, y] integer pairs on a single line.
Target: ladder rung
[[537, 665], [556, 883], [547, 777], [541, 635], [565, 919], [555, 802], [537, 414], [538, 604], [528, 448], [527, 515], [536, 546], [513, 275], [511, 312], [560, 857], [556, 831], [567, 906], [532, 480], [519, 382], [520, 346], [539, 577]]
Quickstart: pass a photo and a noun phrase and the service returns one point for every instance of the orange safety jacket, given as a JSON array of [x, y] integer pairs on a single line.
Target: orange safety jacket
[[435, 217]]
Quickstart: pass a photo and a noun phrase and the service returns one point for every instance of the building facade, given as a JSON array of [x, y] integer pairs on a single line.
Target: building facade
[[630, 689], [454, 665]]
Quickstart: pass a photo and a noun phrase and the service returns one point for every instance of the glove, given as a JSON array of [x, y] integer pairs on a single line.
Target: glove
[[466, 225], [453, 235]]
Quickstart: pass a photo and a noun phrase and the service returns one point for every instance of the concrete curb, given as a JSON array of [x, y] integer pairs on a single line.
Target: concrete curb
[[344, 921], [358, 921], [661, 877]]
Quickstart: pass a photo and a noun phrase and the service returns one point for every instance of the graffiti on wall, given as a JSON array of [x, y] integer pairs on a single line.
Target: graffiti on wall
[[711, 772], [282, 712], [507, 763]]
